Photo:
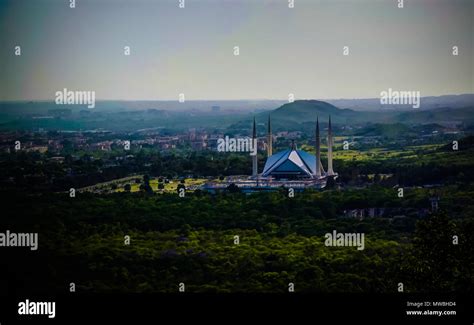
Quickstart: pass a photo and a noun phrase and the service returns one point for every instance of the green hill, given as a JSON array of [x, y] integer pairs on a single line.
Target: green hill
[[300, 116], [302, 111]]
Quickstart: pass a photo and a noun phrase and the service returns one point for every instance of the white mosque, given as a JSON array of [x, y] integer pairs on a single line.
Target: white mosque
[[291, 168], [293, 164]]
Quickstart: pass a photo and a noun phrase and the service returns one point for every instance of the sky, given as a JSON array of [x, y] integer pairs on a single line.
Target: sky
[[191, 51]]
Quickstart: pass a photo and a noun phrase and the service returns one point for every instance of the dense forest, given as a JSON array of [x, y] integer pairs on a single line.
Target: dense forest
[[191, 240]]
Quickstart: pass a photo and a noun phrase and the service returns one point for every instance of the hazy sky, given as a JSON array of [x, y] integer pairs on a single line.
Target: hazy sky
[[190, 50]]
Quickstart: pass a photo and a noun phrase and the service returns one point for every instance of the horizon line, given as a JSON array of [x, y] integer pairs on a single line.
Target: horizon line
[[224, 100]]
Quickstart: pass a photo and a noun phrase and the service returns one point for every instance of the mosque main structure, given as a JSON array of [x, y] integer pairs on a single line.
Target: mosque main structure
[[291, 168], [293, 164]]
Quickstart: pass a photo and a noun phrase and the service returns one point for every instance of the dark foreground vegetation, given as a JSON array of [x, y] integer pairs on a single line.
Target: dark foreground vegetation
[[191, 240]]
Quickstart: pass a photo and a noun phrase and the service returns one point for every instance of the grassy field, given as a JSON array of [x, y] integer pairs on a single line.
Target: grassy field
[[376, 153], [118, 185], [170, 187]]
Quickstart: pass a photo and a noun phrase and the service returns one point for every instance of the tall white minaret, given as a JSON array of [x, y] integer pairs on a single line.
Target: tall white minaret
[[254, 157], [330, 171], [269, 139], [318, 151]]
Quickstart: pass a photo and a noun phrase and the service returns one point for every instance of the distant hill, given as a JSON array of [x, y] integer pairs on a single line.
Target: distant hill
[[302, 111], [300, 116]]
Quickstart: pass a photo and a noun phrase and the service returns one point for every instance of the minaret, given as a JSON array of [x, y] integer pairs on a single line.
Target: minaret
[[254, 143], [269, 139], [293, 145], [318, 151], [330, 171]]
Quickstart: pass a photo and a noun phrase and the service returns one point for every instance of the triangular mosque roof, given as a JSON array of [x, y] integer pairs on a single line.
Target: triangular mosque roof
[[290, 161]]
